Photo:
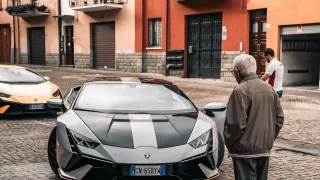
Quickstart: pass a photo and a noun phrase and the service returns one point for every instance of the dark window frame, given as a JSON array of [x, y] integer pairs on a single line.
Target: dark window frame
[[155, 32]]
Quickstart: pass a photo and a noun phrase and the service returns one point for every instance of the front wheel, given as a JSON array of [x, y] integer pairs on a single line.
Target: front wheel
[[52, 153], [220, 150]]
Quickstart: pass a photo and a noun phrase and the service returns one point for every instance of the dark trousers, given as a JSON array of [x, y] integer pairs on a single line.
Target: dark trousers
[[280, 93], [251, 168]]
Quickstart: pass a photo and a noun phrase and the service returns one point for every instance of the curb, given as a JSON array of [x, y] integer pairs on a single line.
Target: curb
[[297, 146]]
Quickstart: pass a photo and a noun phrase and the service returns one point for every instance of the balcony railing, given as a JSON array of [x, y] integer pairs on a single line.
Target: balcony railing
[[96, 5], [28, 8]]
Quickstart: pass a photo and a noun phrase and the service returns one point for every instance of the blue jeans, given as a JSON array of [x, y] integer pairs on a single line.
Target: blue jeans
[[280, 93]]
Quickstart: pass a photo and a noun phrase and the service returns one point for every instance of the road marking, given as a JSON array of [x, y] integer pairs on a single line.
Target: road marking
[[42, 123]]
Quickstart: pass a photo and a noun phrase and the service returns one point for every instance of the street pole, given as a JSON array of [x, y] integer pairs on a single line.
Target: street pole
[[59, 33], [14, 37], [167, 34]]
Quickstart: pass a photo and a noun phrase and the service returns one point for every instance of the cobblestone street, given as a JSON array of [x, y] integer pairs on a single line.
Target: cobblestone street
[[23, 140]]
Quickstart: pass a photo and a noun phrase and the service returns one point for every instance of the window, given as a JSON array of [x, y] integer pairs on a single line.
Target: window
[[264, 27], [255, 27], [155, 32]]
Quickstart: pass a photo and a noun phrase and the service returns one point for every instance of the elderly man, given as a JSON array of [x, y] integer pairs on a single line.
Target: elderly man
[[254, 119]]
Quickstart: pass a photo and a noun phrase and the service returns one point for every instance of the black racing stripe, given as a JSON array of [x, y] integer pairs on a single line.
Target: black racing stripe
[[112, 130], [120, 133], [173, 130]]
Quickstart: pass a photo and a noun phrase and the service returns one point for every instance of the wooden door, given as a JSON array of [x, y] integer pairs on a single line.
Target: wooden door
[[5, 44], [69, 46], [103, 42], [258, 39], [204, 45]]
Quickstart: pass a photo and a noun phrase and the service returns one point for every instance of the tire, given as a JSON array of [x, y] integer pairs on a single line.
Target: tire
[[52, 152], [220, 150]]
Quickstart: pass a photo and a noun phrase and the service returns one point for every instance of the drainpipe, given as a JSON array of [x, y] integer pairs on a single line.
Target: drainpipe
[[167, 33], [19, 41], [59, 32], [14, 40], [14, 37]]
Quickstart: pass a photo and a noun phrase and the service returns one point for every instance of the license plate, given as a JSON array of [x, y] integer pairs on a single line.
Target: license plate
[[147, 170], [36, 106]]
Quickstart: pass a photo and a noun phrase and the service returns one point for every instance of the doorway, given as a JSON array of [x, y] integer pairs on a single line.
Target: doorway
[[37, 46], [204, 45], [103, 45], [69, 45], [5, 43], [258, 38], [300, 55]]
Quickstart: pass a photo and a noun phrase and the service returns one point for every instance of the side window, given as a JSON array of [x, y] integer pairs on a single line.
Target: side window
[[70, 96]]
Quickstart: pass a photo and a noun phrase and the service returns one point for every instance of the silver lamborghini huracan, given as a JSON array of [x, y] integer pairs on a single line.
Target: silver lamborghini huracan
[[124, 127]]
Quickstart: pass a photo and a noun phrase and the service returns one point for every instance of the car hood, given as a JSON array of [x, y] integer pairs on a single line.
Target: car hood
[[134, 130], [42, 89]]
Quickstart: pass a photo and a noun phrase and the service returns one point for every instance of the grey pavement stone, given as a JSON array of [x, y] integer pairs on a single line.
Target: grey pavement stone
[[23, 141]]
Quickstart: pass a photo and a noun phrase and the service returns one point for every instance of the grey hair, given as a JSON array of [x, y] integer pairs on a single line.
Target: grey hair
[[246, 64]]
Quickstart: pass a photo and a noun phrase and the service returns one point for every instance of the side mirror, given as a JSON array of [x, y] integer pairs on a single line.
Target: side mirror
[[55, 104], [210, 108], [46, 78], [208, 113], [218, 110]]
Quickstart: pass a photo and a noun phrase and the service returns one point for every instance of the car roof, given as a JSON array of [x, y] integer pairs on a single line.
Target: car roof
[[11, 66], [130, 79]]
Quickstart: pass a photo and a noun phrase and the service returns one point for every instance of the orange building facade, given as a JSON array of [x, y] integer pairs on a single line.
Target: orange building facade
[[34, 31], [292, 29], [187, 38], [201, 38]]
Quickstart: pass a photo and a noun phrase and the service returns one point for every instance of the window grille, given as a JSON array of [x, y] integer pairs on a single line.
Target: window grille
[[155, 32]]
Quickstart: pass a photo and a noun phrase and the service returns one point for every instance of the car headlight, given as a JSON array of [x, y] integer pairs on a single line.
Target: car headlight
[[57, 93], [4, 95], [84, 141], [201, 140]]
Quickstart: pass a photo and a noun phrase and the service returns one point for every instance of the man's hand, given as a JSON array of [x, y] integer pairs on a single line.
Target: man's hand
[[265, 77]]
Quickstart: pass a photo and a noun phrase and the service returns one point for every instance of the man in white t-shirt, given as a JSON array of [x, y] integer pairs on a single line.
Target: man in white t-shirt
[[274, 72]]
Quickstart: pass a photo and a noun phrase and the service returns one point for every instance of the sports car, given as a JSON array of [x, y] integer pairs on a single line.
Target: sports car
[[24, 91], [115, 127]]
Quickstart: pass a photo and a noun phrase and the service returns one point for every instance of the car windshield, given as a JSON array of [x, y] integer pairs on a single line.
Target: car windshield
[[19, 75], [132, 98]]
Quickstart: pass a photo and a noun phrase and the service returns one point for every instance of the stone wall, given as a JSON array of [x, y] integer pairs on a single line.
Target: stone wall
[[81, 60], [129, 62], [154, 63], [176, 72], [23, 58], [52, 59], [227, 58]]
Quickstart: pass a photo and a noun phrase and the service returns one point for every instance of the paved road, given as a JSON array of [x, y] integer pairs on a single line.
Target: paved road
[[23, 140]]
